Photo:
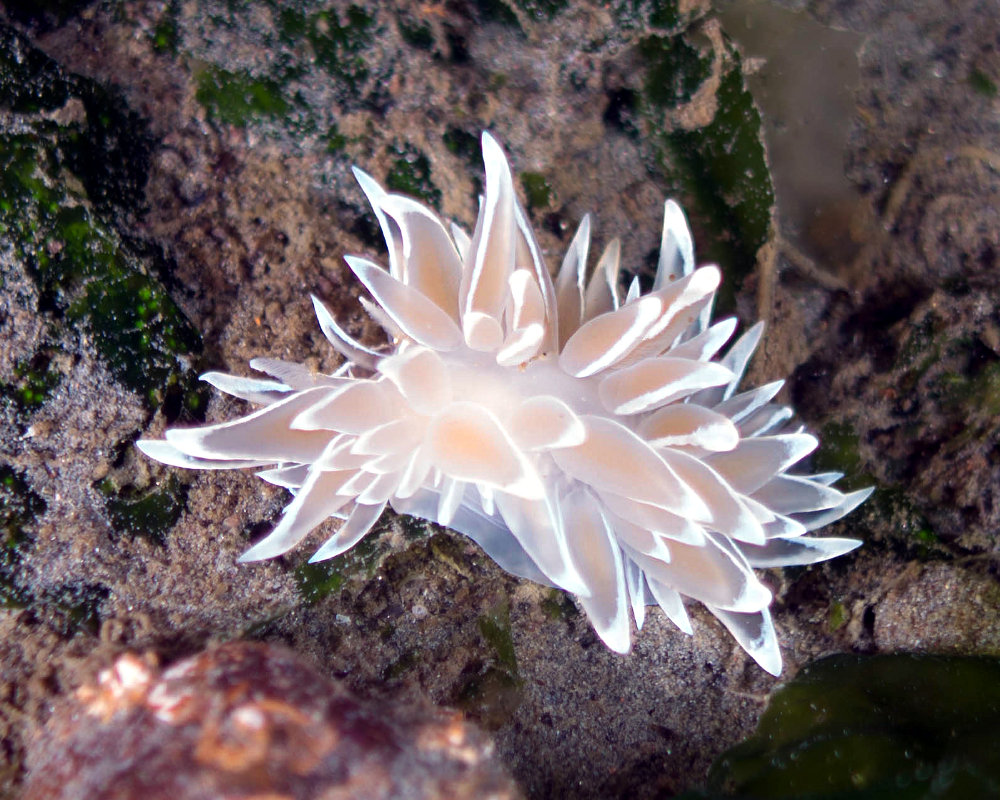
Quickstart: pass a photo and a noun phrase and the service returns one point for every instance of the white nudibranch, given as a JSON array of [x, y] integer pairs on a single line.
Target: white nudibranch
[[584, 440]]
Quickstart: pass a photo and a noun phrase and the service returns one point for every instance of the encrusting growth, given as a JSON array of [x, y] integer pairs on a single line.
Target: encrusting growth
[[584, 439]]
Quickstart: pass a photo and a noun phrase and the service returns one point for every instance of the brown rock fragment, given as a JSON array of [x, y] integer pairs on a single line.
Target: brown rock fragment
[[940, 608], [250, 721]]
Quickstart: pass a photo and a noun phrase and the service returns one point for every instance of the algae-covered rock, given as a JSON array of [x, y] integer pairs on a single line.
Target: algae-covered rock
[[18, 506], [168, 155], [870, 727], [73, 158], [709, 138]]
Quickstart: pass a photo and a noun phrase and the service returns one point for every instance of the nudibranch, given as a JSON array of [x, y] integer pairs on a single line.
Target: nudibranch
[[586, 438]]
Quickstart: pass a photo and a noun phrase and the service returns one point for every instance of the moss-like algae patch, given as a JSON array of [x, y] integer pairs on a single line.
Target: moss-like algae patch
[[912, 536], [410, 174], [316, 581], [724, 169], [839, 452], [719, 168], [557, 605], [646, 14], [335, 140], [982, 83], [149, 513], [306, 46], [32, 384], [674, 69], [236, 98], [495, 629], [415, 33], [465, 145], [898, 726], [838, 617], [537, 190], [490, 690], [73, 162], [90, 280], [165, 36], [19, 506], [103, 143], [339, 43]]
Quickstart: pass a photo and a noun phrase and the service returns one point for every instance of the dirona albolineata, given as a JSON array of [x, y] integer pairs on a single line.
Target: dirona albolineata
[[585, 438]]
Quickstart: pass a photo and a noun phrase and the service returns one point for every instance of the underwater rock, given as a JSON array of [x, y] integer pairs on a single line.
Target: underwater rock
[[250, 720]]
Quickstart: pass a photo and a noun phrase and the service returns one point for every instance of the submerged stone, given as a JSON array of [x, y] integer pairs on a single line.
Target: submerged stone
[[251, 720]]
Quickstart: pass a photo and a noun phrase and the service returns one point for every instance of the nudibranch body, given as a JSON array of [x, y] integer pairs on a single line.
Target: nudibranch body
[[584, 439]]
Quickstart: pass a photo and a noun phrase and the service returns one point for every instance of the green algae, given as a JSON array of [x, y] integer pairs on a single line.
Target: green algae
[[889, 509], [719, 169], [970, 401], [73, 165], [335, 140], [490, 690], [488, 695], [723, 167], [900, 726], [410, 174], [89, 279], [414, 33], [305, 46], [982, 84], [165, 36], [463, 144], [675, 70], [76, 606], [318, 580], [910, 533], [973, 395], [19, 507], [960, 374], [338, 43], [837, 618], [839, 451], [340, 46], [149, 512], [466, 146], [141, 330], [558, 606], [237, 98], [494, 626], [103, 143], [62, 184], [537, 190], [405, 664], [646, 14], [33, 382]]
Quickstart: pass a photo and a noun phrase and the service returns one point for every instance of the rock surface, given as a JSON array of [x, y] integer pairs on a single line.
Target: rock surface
[[178, 182]]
